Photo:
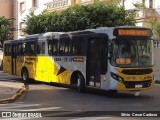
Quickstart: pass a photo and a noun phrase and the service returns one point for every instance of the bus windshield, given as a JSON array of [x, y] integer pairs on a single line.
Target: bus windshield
[[132, 53]]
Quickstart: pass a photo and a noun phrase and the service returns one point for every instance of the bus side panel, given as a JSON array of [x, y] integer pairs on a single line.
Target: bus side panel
[[65, 77], [41, 71], [138, 79], [19, 64], [7, 63], [30, 64], [57, 73], [46, 70]]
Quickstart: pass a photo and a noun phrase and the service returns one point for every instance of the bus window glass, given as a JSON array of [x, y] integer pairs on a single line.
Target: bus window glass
[[77, 46], [30, 48], [41, 48], [132, 53], [52, 47], [64, 46], [7, 50], [21, 49]]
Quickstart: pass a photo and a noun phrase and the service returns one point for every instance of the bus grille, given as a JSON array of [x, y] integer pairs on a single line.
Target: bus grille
[[137, 71], [132, 84]]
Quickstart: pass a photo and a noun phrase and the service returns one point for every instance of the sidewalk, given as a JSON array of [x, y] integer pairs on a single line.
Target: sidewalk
[[8, 89], [11, 87]]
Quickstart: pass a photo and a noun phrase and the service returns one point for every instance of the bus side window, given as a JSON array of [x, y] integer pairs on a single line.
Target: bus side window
[[76, 46], [50, 48], [67, 46], [73, 47], [41, 48], [30, 48], [61, 46], [53, 47], [21, 49], [7, 50], [64, 46]]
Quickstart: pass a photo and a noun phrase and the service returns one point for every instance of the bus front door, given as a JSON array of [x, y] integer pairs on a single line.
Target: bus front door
[[93, 62], [14, 59]]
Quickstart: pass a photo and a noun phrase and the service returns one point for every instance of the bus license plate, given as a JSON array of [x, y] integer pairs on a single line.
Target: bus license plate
[[138, 86]]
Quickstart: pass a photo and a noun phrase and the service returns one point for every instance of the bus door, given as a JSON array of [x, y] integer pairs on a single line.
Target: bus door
[[14, 59], [97, 60]]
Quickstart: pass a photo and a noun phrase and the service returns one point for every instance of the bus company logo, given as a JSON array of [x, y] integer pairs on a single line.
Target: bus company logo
[[6, 114], [131, 78]]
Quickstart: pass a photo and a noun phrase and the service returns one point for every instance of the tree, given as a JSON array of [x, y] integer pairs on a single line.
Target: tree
[[157, 30], [5, 29], [139, 5], [79, 17]]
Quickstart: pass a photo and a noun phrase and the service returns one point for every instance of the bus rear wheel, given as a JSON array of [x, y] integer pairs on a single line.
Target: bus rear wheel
[[80, 83], [25, 76]]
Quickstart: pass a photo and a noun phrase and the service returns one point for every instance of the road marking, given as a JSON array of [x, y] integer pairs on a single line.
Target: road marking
[[91, 118], [42, 109], [19, 106], [11, 104], [18, 118]]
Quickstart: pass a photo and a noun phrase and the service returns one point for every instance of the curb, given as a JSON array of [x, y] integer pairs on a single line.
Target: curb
[[15, 96]]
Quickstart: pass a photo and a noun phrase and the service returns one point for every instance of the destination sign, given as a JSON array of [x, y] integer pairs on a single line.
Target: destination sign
[[133, 32]]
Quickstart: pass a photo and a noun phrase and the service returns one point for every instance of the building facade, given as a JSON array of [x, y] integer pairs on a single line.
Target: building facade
[[25, 7], [8, 9], [143, 15], [38, 6]]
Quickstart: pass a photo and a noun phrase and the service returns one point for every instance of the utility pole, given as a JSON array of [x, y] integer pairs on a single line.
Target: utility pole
[[123, 3]]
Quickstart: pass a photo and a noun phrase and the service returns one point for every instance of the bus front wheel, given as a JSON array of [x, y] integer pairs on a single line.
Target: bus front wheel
[[80, 83], [25, 76]]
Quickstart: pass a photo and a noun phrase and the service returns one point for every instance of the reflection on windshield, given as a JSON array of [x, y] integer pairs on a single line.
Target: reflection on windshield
[[132, 53]]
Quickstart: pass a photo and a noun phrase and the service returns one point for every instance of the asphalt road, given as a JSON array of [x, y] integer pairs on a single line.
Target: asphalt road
[[94, 100], [63, 103]]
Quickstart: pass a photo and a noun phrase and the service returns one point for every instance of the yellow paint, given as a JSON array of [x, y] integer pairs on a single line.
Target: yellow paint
[[134, 78], [7, 64], [40, 68]]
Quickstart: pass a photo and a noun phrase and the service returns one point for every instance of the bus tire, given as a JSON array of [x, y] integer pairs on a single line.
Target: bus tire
[[80, 83], [25, 75]]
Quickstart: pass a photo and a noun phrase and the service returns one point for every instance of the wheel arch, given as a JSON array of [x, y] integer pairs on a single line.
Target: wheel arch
[[23, 69], [74, 75]]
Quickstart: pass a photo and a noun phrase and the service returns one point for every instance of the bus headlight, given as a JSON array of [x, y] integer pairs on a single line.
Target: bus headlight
[[117, 77]]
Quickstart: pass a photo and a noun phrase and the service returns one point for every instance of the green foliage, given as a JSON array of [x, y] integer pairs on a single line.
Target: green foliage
[[5, 29], [157, 30], [139, 5], [155, 26], [79, 17]]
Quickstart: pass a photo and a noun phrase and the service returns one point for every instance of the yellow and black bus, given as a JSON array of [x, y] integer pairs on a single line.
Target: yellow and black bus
[[116, 58]]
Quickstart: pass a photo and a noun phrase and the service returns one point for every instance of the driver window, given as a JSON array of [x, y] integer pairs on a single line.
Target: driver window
[[125, 52]]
